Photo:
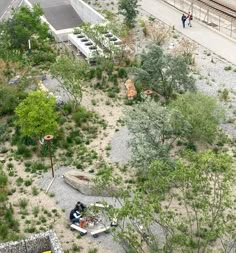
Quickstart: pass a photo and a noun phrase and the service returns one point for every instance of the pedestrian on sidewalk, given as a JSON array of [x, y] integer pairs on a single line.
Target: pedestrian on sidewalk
[[183, 20], [190, 18]]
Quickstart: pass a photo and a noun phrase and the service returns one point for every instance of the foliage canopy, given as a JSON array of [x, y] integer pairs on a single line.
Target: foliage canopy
[[153, 130], [164, 73], [71, 73], [36, 115], [128, 8], [203, 113]]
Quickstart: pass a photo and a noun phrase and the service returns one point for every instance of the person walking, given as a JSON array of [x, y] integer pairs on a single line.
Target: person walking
[[190, 18], [183, 20]]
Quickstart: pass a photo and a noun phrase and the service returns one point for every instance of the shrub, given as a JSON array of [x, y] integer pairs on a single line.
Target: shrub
[[19, 181], [35, 191], [99, 73], [38, 167], [68, 108], [23, 150], [28, 182], [10, 97], [227, 68], [122, 73], [81, 115], [92, 73], [23, 203]]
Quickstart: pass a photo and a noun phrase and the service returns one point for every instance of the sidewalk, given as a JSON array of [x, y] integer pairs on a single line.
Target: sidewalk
[[208, 38]]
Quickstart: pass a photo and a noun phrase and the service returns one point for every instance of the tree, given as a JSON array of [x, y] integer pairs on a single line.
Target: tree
[[182, 207], [71, 73], [153, 128], [36, 115], [128, 8], [164, 73], [203, 114], [24, 24]]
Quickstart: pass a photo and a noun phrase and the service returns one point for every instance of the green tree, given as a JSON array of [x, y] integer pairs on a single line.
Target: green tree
[[182, 207], [154, 128], [203, 113], [129, 9], [36, 115], [71, 73], [164, 73], [24, 24]]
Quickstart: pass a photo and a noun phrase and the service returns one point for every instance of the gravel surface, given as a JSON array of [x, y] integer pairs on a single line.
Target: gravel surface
[[120, 152]]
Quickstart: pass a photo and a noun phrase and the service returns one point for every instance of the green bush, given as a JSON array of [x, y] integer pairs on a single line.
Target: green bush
[[38, 167], [81, 115], [24, 151], [23, 203], [92, 73], [3, 179], [227, 68], [38, 56], [99, 73], [122, 73], [68, 108], [10, 97]]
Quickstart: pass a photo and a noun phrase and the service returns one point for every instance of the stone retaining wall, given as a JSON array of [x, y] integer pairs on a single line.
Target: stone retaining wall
[[38, 243]]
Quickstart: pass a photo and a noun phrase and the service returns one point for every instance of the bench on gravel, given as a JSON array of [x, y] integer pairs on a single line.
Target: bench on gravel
[[78, 228], [98, 231], [100, 205]]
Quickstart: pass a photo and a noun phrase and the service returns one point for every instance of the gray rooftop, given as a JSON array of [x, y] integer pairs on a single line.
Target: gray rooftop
[[59, 13]]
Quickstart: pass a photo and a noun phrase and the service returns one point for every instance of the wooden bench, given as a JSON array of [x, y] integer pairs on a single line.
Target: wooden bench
[[100, 205], [78, 228], [98, 231]]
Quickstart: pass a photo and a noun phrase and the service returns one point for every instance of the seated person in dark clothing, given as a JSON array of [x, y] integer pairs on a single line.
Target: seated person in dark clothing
[[75, 216], [80, 207]]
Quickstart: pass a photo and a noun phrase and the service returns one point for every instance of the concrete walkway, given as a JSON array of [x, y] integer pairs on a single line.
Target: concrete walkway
[[203, 35]]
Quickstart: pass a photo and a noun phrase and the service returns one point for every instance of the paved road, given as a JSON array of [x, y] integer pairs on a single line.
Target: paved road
[[6, 6], [201, 34]]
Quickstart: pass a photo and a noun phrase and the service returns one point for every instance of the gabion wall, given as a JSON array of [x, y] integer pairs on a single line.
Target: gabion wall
[[35, 244]]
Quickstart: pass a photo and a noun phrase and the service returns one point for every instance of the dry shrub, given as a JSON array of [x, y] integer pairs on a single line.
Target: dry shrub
[[128, 46], [186, 48], [158, 32]]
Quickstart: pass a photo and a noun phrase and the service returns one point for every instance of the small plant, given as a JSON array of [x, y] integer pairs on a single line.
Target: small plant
[[227, 68], [76, 248], [122, 73], [93, 250], [19, 181], [224, 95], [28, 182], [51, 194], [23, 203], [35, 191], [81, 115], [35, 211], [93, 102]]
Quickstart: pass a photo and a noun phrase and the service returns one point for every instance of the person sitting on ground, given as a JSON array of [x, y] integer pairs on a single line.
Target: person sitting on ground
[[75, 216], [80, 207]]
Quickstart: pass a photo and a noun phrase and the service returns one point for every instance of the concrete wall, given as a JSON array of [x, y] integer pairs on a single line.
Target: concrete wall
[[35, 244], [87, 13]]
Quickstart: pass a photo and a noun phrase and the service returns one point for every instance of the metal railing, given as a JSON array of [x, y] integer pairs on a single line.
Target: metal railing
[[222, 22]]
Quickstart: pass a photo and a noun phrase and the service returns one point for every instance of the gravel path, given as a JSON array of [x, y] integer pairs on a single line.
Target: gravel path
[[120, 152]]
